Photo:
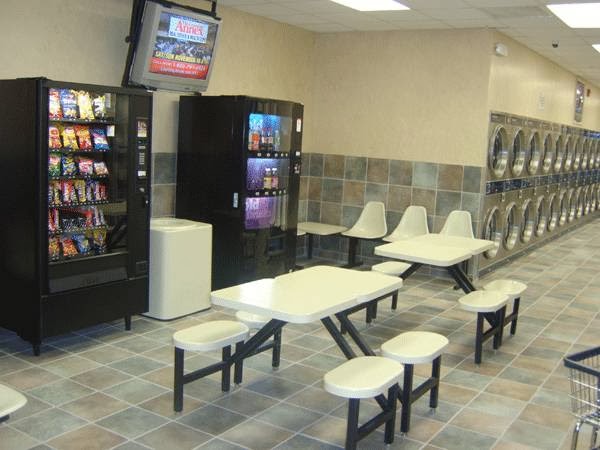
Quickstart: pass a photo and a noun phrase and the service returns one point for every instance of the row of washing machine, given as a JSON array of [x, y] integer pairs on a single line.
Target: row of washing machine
[[542, 180]]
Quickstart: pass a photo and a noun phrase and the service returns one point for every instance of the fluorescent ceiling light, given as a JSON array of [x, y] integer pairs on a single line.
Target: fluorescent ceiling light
[[372, 5], [578, 15], [597, 47]]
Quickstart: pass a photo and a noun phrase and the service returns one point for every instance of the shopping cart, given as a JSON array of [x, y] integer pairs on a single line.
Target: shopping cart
[[584, 374]]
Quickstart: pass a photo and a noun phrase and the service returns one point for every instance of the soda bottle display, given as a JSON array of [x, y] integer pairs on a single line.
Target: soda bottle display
[[274, 178], [267, 179], [276, 140]]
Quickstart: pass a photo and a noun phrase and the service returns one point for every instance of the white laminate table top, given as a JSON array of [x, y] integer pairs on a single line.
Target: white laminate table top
[[323, 229], [424, 253], [476, 246], [307, 295]]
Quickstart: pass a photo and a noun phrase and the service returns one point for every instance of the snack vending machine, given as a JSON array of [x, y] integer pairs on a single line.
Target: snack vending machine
[[76, 196], [238, 168]]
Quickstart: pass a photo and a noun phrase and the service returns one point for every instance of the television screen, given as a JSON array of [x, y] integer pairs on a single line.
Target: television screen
[[173, 48]]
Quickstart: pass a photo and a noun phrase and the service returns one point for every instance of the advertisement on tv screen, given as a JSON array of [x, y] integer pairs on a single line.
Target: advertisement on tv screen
[[183, 47]]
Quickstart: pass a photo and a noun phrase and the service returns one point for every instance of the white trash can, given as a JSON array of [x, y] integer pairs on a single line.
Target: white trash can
[[180, 267]]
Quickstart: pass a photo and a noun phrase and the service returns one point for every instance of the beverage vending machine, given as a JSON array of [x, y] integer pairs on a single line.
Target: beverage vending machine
[[76, 196], [238, 168]]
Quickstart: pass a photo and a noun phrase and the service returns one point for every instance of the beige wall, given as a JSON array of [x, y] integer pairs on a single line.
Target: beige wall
[[520, 80], [414, 95]]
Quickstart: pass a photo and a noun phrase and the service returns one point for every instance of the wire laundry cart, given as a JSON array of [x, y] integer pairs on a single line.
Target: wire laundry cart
[[584, 375]]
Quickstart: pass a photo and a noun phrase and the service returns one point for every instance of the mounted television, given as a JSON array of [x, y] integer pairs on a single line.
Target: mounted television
[[171, 46]]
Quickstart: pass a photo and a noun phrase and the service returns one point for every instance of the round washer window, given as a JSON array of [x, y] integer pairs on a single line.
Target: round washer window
[[527, 220], [498, 152], [518, 153], [560, 154], [534, 153], [491, 232], [553, 212], [511, 228], [563, 206], [540, 217], [547, 156], [568, 163]]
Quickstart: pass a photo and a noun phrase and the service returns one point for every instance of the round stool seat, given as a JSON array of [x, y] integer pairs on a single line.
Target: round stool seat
[[10, 400], [483, 301], [363, 377], [415, 347], [511, 288], [395, 268], [253, 321], [210, 335]]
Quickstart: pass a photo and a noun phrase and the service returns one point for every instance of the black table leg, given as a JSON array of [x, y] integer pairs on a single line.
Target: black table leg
[[354, 334], [461, 278], [309, 252], [412, 269], [259, 338]]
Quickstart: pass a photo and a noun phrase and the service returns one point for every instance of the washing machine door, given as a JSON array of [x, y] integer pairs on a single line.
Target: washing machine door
[[527, 220], [572, 205], [541, 220], [563, 206], [587, 202], [553, 212], [568, 162], [517, 153], [596, 154], [593, 197], [498, 151], [576, 154], [580, 202], [547, 156], [591, 153], [559, 151], [585, 154], [510, 227], [534, 153], [492, 232]]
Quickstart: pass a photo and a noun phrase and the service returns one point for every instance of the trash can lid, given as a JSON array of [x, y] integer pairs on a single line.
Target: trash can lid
[[173, 224]]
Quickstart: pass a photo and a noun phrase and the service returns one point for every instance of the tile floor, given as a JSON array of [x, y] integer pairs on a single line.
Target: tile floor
[[104, 388]]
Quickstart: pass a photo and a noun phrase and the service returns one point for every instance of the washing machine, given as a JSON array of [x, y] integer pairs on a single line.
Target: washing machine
[[526, 218], [559, 153], [563, 207], [498, 145], [492, 229], [552, 207], [577, 148], [510, 222], [540, 221], [568, 152], [585, 152], [572, 205], [534, 148], [547, 155], [517, 153]]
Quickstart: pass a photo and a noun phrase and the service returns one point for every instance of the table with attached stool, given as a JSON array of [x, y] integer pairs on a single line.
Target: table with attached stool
[[218, 334], [513, 289], [490, 306], [366, 377], [416, 347], [256, 322]]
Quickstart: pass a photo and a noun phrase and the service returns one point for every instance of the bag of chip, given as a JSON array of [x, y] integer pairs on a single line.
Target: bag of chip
[[82, 243], [54, 137], [54, 111], [99, 237], [53, 248], [86, 166], [54, 193], [68, 247], [83, 137], [80, 189], [100, 139], [69, 138], [54, 165], [99, 106], [84, 101], [69, 168], [100, 168], [68, 102]]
